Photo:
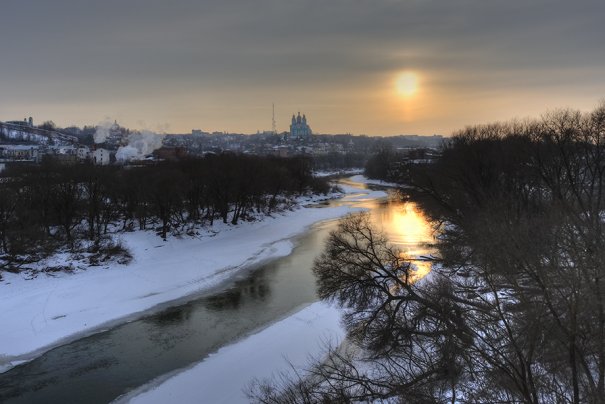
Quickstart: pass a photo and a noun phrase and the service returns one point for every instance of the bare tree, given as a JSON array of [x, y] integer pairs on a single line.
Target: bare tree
[[514, 310]]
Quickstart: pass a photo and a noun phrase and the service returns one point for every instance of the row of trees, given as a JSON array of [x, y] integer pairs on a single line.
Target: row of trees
[[380, 165], [514, 308], [50, 205], [336, 160]]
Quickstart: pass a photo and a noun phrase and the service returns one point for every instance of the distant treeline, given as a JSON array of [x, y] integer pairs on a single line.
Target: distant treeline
[[50, 205], [334, 160]]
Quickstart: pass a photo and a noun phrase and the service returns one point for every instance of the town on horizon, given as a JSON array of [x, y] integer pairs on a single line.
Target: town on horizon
[[23, 141], [165, 129]]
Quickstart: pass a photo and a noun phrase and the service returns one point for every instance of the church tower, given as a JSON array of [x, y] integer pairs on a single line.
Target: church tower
[[299, 129]]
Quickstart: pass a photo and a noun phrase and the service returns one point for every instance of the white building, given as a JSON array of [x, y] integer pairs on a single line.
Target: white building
[[101, 157]]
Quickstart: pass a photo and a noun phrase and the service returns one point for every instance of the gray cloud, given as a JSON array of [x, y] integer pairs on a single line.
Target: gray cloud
[[113, 50]]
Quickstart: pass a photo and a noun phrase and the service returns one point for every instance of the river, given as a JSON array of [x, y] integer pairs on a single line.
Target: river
[[101, 367]]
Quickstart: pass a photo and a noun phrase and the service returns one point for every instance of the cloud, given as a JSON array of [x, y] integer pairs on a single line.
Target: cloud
[[144, 53]]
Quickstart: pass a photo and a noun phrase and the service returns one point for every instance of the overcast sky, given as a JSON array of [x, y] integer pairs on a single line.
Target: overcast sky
[[219, 65]]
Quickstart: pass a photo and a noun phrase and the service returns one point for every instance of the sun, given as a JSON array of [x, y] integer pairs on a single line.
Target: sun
[[407, 84]]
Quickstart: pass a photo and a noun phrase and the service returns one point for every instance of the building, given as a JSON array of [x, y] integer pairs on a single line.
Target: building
[[171, 153], [299, 129], [19, 152], [26, 122], [101, 157], [83, 153]]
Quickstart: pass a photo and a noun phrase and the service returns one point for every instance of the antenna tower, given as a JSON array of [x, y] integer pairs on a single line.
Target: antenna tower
[[273, 127]]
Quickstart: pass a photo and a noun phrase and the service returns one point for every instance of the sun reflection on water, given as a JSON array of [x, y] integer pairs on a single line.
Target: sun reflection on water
[[404, 224], [410, 230]]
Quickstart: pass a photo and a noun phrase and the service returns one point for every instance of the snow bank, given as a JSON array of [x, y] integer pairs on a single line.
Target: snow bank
[[355, 195], [224, 376], [329, 173], [49, 310], [364, 180]]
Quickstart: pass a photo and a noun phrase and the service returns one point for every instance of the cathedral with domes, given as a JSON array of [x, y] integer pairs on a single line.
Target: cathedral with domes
[[299, 129]]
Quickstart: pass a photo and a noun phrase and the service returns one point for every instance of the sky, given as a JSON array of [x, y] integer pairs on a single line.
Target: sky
[[376, 67]]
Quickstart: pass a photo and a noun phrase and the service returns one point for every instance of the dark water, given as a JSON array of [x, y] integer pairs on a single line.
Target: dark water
[[101, 367]]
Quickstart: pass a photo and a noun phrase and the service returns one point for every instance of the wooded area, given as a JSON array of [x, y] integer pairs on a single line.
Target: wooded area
[[513, 310], [50, 206]]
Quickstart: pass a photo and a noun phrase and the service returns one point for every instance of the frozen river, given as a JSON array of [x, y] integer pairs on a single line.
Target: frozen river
[[101, 367]]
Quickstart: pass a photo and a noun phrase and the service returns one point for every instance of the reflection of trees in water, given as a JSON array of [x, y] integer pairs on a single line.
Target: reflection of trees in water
[[67, 364], [16, 384], [171, 316], [99, 364], [75, 360], [230, 299], [167, 328], [253, 288]]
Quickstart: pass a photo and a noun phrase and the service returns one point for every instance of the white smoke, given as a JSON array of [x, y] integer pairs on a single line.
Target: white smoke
[[103, 130], [140, 144]]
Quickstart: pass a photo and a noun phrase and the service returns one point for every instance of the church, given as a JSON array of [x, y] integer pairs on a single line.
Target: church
[[299, 129]]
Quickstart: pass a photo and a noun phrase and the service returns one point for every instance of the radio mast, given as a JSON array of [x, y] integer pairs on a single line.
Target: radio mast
[[273, 126]]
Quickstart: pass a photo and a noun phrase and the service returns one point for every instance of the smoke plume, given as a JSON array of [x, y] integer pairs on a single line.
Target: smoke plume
[[103, 130], [140, 144]]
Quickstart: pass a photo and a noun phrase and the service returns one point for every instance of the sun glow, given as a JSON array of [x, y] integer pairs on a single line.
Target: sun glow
[[413, 232], [412, 225], [407, 84]]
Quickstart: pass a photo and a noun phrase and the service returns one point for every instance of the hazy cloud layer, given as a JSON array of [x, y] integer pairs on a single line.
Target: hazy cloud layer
[[219, 64]]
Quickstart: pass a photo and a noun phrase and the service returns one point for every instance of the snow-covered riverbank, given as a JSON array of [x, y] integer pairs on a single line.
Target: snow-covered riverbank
[[48, 310]]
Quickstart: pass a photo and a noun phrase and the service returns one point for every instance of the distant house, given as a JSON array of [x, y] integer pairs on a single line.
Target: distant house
[[83, 153], [171, 153], [281, 151], [19, 152], [101, 157]]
